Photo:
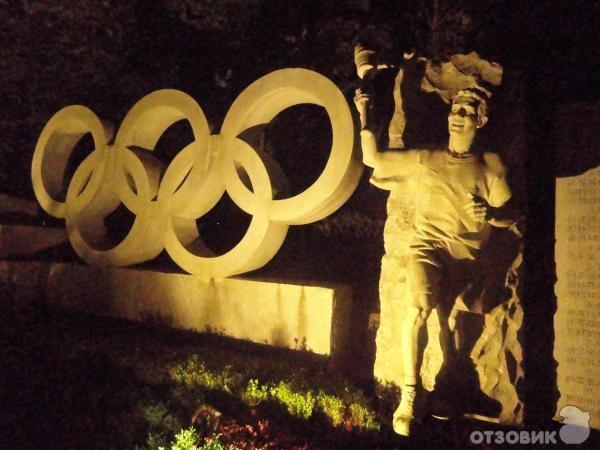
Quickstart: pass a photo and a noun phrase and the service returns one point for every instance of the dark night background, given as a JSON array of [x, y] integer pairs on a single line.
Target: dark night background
[[108, 54]]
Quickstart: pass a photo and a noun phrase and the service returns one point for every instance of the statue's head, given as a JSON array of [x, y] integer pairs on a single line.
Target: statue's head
[[467, 113]]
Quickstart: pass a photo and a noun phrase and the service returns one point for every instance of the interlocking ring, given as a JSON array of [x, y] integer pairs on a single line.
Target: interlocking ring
[[166, 208]]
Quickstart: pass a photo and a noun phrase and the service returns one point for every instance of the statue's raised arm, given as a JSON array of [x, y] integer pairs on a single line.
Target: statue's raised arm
[[388, 164]]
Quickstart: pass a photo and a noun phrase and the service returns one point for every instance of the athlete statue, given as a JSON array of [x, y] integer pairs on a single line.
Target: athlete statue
[[460, 194]]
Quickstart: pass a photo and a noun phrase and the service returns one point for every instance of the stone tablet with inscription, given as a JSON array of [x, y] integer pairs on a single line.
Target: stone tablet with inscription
[[577, 319]]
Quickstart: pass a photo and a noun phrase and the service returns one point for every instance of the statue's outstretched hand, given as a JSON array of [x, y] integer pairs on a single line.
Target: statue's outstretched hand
[[363, 104], [362, 99], [478, 209]]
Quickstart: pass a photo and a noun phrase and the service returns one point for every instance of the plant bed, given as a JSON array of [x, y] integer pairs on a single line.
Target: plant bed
[[79, 381], [74, 381]]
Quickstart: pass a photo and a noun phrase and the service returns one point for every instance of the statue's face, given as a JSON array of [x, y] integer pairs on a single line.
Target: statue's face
[[462, 121]]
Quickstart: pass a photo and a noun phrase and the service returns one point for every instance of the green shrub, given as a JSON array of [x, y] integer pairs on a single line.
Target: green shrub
[[194, 372], [332, 406], [154, 441], [160, 419], [297, 404], [255, 392], [186, 440], [363, 417], [215, 444]]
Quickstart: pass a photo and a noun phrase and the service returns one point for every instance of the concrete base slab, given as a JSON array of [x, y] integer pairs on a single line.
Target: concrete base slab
[[291, 315]]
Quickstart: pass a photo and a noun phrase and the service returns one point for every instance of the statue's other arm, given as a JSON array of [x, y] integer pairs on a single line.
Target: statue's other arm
[[501, 212], [497, 208], [385, 164]]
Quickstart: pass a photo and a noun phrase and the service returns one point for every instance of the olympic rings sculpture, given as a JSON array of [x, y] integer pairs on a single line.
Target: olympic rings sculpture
[[166, 203]]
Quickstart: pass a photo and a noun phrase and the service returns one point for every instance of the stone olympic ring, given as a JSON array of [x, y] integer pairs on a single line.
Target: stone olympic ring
[[167, 203]]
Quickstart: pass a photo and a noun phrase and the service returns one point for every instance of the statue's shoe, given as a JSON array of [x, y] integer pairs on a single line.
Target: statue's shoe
[[405, 426], [407, 416]]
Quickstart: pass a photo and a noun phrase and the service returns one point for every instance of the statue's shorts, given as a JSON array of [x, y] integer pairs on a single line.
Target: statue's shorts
[[438, 271]]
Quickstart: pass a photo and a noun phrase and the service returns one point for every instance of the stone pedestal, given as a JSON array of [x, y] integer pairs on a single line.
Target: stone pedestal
[[283, 314]]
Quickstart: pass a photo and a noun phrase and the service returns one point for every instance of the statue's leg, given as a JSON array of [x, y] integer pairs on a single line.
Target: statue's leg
[[447, 337], [423, 283], [424, 291], [445, 401], [413, 335]]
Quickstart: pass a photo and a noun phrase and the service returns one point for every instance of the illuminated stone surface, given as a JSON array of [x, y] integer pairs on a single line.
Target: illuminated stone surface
[[577, 319], [167, 202], [295, 316], [488, 330]]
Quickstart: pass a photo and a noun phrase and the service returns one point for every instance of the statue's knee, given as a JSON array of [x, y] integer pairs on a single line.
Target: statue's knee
[[423, 301], [418, 314]]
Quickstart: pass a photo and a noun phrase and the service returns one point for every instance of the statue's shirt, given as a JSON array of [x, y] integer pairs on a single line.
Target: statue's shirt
[[443, 184]]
